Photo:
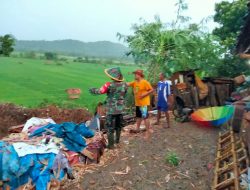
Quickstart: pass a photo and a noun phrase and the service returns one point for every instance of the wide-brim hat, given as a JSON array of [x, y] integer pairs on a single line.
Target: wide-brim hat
[[139, 72], [114, 73]]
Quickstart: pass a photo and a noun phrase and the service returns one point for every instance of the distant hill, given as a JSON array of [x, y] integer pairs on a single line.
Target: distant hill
[[104, 49]]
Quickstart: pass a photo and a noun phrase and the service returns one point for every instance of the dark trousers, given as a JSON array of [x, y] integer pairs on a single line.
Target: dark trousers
[[114, 125]]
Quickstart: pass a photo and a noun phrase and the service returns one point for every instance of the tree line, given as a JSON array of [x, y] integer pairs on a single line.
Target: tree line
[[6, 44], [181, 44]]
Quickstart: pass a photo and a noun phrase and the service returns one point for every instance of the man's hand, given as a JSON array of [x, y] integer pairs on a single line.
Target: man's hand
[[142, 96], [91, 90], [94, 91], [146, 94], [170, 106]]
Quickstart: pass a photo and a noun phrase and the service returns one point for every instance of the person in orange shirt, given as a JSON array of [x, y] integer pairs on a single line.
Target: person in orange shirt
[[142, 90]]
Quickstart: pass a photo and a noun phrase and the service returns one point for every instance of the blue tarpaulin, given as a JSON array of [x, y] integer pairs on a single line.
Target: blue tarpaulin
[[71, 133], [41, 168]]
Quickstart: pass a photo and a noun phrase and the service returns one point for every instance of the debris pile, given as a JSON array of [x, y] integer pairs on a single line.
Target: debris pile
[[43, 153], [12, 115]]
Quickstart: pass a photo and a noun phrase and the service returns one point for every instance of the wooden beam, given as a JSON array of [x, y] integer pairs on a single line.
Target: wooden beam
[[244, 56]]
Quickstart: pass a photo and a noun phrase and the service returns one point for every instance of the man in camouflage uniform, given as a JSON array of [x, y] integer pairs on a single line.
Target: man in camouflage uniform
[[115, 103]]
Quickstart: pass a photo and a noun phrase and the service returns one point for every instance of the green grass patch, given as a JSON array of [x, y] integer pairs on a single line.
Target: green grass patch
[[172, 159], [34, 82]]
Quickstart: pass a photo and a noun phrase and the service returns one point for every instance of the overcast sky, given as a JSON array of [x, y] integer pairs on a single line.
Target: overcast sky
[[88, 20]]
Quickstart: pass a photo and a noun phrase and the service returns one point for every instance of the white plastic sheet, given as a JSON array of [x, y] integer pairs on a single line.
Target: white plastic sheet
[[35, 121]]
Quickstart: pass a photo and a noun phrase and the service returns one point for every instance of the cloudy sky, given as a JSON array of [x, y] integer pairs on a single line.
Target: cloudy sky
[[89, 20]]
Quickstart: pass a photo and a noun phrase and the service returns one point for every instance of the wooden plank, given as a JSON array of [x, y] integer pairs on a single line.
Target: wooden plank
[[231, 161]]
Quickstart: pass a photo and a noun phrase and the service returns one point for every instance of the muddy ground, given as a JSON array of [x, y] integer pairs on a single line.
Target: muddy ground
[[141, 165]]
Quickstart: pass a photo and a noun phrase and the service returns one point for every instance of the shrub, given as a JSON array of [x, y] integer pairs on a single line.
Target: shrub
[[172, 158], [59, 64], [50, 56]]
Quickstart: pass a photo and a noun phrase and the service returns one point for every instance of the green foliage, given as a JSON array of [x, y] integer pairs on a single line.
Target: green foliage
[[230, 17], [232, 67], [29, 54], [96, 60], [169, 49], [6, 44], [172, 158], [181, 6], [130, 102], [103, 49], [50, 56], [183, 46]]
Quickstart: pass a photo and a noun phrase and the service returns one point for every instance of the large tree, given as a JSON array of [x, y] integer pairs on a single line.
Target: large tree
[[180, 45], [6, 44], [230, 17], [172, 49]]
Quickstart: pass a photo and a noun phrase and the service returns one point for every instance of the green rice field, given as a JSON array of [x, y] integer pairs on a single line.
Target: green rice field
[[34, 82]]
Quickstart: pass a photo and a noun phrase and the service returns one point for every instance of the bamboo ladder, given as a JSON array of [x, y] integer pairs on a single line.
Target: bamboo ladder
[[231, 161]]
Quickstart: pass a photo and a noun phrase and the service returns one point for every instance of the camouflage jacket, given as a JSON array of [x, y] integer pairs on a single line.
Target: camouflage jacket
[[116, 92]]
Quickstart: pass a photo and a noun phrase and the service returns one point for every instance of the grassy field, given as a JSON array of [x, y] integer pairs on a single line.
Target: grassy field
[[32, 83]]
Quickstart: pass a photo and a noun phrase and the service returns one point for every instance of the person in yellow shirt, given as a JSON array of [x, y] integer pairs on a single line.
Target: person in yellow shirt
[[142, 90]]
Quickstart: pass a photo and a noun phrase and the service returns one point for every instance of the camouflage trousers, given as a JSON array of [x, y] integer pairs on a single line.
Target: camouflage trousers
[[114, 124]]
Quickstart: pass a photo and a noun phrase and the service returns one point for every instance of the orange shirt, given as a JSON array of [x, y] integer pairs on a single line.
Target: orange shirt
[[141, 88]]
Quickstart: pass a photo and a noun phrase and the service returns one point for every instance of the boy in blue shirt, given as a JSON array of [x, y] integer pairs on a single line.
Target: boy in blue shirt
[[163, 90]]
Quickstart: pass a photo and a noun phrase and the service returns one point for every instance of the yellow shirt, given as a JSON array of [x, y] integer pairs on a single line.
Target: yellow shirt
[[141, 88]]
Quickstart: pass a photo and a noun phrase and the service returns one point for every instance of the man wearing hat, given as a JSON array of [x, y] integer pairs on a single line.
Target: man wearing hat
[[115, 103], [142, 90]]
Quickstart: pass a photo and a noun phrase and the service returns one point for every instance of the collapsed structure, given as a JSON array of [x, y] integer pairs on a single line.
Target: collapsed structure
[[232, 158]]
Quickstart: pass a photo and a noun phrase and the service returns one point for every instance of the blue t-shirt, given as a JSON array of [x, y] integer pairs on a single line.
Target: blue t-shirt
[[163, 93]]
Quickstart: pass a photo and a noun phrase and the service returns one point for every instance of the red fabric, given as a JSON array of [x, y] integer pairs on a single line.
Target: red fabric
[[72, 157], [104, 88]]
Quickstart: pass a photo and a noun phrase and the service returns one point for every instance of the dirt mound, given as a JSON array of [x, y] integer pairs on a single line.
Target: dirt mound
[[11, 115]]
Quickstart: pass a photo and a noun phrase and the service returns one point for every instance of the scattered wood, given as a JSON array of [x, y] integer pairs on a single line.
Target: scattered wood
[[109, 187], [113, 178], [119, 188], [167, 178], [158, 183], [192, 185], [178, 172], [126, 158], [89, 171], [122, 172], [16, 129]]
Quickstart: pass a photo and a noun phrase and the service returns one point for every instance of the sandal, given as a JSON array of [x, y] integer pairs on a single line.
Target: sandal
[[134, 131], [156, 123]]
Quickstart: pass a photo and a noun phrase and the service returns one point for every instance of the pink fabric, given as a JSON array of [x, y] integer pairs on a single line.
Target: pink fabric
[[104, 88], [73, 158], [32, 129]]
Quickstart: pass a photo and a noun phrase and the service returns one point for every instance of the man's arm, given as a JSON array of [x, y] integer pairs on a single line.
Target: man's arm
[[170, 97], [150, 90], [167, 90], [131, 84], [147, 93], [102, 90]]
